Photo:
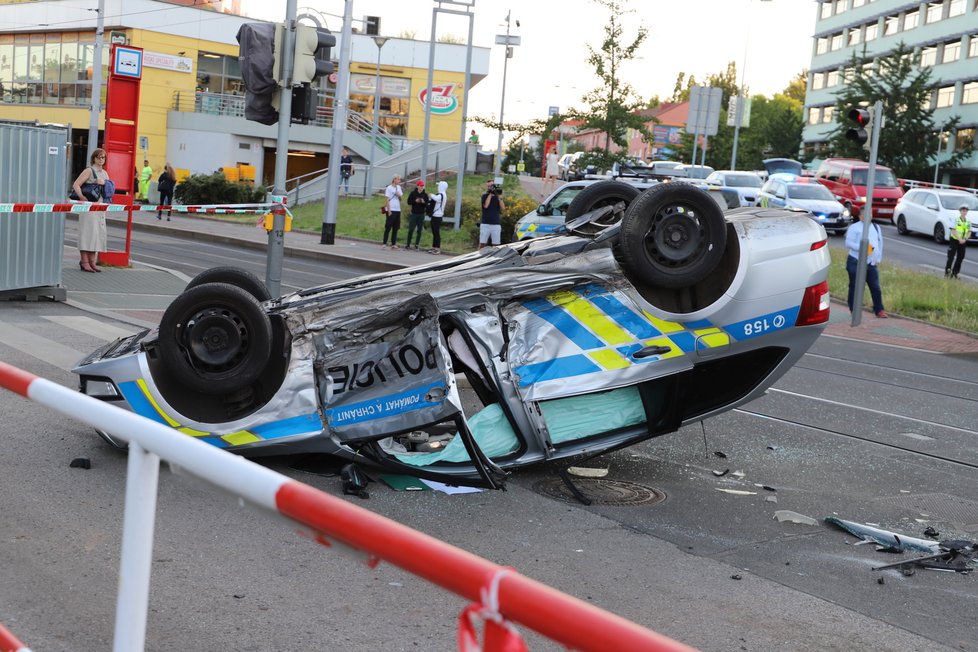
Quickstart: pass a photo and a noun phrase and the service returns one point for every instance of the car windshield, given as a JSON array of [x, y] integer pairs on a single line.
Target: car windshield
[[954, 201], [808, 191], [743, 180], [558, 205], [884, 177], [698, 172]]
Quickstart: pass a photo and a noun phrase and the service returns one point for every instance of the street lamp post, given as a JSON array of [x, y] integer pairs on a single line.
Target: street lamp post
[[937, 156], [502, 104], [368, 191], [741, 100]]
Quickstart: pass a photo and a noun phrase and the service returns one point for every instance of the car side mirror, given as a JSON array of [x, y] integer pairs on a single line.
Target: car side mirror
[[543, 210]]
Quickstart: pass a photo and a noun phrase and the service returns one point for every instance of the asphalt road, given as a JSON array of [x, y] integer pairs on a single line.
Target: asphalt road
[[859, 430]]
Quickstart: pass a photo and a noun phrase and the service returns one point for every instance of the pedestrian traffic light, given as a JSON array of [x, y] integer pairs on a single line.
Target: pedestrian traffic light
[[860, 121], [311, 60], [257, 56]]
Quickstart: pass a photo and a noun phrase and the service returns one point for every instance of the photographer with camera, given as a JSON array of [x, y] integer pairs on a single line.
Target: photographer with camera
[[492, 215]]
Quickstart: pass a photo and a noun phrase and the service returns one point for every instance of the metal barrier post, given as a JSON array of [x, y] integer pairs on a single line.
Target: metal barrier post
[[139, 520]]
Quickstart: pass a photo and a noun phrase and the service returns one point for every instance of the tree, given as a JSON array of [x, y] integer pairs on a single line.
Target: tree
[[796, 87], [909, 141], [613, 106]]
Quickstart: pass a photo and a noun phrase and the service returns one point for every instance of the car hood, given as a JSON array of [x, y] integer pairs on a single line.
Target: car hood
[[816, 205]]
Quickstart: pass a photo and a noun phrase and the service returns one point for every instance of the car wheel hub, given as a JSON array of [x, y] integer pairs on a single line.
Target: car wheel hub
[[216, 339], [674, 236]]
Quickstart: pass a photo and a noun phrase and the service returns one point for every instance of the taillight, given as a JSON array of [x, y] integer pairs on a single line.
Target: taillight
[[814, 305], [819, 244]]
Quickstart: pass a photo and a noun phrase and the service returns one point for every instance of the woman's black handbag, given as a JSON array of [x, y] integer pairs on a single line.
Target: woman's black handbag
[[91, 190]]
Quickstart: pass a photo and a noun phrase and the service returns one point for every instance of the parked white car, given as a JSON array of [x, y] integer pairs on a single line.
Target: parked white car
[[747, 184], [932, 211]]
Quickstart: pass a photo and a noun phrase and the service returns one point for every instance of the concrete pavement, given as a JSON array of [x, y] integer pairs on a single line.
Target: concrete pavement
[[139, 294]]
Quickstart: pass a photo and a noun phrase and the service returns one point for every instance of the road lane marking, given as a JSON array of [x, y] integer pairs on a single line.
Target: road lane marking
[[42, 348], [90, 326]]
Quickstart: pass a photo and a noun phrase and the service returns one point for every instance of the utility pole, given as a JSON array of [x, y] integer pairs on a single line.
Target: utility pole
[[867, 217], [502, 104], [328, 235], [96, 105], [276, 237]]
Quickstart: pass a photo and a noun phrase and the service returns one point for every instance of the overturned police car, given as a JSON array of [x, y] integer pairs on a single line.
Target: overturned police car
[[637, 319]]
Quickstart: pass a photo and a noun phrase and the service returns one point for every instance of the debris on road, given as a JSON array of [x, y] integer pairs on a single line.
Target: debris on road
[[888, 541], [783, 515], [737, 492], [80, 463]]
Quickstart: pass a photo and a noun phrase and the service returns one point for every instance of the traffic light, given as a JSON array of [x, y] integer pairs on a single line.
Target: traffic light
[[256, 52], [311, 60], [860, 121]]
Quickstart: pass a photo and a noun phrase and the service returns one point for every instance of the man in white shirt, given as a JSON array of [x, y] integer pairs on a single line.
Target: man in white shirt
[[875, 255], [392, 208]]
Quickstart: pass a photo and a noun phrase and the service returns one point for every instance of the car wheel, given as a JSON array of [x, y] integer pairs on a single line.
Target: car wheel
[[243, 279], [673, 236], [215, 338], [598, 195], [902, 225], [939, 236]]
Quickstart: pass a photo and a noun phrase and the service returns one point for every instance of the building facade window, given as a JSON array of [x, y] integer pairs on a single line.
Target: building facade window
[[828, 113], [928, 56], [911, 20], [836, 42], [955, 8], [50, 68], [840, 6], [891, 25], [818, 81], [395, 101], [825, 10], [965, 139], [217, 73], [832, 78], [858, 3], [945, 97], [973, 45], [814, 115], [952, 52], [871, 31], [935, 11], [855, 34], [821, 45], [969, 93]]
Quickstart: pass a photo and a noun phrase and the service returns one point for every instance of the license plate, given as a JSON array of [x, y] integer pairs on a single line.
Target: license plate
[[884, 211]]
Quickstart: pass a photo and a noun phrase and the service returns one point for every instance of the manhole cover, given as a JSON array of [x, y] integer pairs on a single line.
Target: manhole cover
[[601, 491]]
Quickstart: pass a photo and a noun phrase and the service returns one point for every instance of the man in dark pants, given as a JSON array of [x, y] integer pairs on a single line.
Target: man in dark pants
[[418, 201], [957, 244], [492, 212], [875, 255]]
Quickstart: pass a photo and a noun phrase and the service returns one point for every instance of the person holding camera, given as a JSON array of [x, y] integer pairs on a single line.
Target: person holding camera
[[392, 209], [492, 215]]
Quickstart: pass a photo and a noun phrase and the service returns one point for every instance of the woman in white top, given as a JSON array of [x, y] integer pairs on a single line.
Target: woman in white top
[[91, 225]]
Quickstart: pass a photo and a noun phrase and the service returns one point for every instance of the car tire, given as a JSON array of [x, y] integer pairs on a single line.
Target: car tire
[[901, 225], [673, 235], [215, 339], [598, 195], [939, 236], [235, 276]]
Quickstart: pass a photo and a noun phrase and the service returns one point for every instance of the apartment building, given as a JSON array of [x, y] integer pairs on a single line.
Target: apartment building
[[943, 35]]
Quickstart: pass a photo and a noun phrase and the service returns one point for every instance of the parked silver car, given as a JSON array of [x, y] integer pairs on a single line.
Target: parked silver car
[[646, 316]]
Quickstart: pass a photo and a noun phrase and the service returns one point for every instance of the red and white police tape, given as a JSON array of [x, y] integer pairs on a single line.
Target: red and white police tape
[[9, 642], [95, 207], [501, 595]]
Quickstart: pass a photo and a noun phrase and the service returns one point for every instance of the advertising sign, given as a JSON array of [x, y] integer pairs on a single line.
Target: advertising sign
[[443, 100]]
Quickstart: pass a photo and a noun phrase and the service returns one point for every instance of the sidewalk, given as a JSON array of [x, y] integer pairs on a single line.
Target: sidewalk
[[138, 295]]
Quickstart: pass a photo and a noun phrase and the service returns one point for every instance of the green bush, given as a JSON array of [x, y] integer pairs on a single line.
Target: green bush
[[215, 189]]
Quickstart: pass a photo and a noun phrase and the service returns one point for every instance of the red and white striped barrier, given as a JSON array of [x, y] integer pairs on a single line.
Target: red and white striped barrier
[[95, 207], [500, 595], [9, 642]]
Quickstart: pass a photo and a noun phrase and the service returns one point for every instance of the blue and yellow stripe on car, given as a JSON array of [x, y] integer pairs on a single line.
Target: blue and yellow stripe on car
[[608, 332], [142, 402]]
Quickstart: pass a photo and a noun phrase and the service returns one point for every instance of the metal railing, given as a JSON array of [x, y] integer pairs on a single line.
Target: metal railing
[[225, 104]]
